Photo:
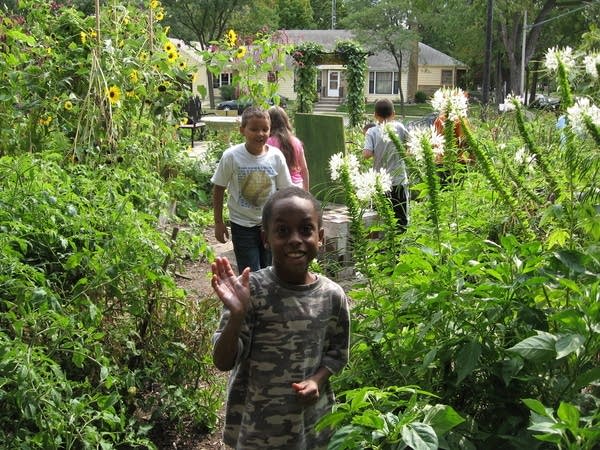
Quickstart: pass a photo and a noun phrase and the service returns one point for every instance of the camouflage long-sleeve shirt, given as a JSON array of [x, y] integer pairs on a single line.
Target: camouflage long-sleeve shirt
[[289, 333]]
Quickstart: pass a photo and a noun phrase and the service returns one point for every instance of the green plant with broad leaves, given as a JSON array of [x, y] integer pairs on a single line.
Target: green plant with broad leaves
[[98, 345], [372, 418], [489, 301]]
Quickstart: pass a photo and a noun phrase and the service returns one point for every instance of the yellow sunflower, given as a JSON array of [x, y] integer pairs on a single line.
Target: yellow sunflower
[[154, 4], [182, 65], [168, 46], [172, 56], [144, 56], [231, 38], [83, 36], [114, 94], [160, 15], [68, 105], [46, 120], [241, 51], [133, 76]]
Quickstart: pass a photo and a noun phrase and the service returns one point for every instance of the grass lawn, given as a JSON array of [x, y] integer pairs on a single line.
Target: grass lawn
[[411, 111]]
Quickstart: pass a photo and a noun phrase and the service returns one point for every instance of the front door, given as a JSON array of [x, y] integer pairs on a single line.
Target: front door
[[333, 84]]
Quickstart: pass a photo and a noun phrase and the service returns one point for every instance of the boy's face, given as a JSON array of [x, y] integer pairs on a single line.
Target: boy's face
[[256, 132], [293, 236]]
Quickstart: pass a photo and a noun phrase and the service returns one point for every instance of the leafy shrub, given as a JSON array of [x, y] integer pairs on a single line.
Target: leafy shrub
[[420, 97]]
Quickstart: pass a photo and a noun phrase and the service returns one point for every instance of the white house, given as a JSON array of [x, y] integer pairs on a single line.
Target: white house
[[436, 69]]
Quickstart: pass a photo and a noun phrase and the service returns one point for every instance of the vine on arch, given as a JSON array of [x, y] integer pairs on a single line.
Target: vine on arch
[[306, 56], [355, 60]]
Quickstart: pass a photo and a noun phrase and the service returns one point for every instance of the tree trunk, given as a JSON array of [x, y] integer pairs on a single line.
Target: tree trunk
[[412, 81], [511, 30], [488, 53], [398, 57]]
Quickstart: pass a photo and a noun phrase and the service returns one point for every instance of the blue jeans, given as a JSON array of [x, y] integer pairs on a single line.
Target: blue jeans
[[249, 248]]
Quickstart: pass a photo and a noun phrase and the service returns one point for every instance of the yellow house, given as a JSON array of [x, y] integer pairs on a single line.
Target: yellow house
[[436, 70]]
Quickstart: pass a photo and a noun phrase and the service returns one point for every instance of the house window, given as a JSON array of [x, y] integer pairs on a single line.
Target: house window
[[383, 82], [272, 77], [447, 78], [223, 79]]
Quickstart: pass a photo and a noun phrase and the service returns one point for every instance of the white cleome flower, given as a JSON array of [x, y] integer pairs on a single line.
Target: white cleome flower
[[555, 55], [366, 183], [335, 165], [577, 113], [521, 157], [450, 101], [510, 103], [414, 144], [591, 63], [338, 160]]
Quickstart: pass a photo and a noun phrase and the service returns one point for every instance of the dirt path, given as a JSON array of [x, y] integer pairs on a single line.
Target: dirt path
[[195, 279]]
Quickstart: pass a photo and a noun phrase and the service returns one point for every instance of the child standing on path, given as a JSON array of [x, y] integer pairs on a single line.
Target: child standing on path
[[380, 147], [282, 137], [283, 332], [250, 172]]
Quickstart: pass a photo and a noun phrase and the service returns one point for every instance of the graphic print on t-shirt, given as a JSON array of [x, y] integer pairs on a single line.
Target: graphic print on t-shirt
[[255, 186]]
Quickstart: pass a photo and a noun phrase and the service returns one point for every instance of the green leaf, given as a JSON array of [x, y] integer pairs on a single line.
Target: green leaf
[[442, 418], [19, 36], [557, 238], [569, 414], [543, 424], [369, 419], [587, 378], [347, 437], [537, 407], [536, 348], [568, 344], [569, 284], [330, 420], [572, 259], [467, 359], [419, 436], [511, 367]]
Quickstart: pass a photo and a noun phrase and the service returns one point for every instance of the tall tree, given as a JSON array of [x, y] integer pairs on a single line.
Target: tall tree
[[202, 21], [384, 26], [295, 14]]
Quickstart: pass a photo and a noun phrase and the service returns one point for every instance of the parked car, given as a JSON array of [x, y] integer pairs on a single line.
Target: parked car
[[240, 105], [545, 102]]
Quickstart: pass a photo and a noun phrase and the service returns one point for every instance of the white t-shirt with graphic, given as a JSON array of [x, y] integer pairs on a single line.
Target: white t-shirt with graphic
[[250, 180]]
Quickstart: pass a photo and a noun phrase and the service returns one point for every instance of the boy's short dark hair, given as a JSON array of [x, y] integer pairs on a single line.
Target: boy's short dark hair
[[384, 108], [289, 192], [254, 111]]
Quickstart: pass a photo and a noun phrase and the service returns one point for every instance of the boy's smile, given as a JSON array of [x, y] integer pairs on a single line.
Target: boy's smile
[[294, 235]]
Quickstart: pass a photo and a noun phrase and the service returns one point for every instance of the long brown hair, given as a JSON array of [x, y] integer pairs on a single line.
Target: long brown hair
[[281, 128]]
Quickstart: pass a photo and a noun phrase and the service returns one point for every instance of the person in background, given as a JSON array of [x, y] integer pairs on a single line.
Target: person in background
[[282, 137], [283, 332], [381, 148], [250, 172]]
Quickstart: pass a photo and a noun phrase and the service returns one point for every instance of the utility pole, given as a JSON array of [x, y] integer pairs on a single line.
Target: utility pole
[[333, 14], [523, 47], [488, 53]]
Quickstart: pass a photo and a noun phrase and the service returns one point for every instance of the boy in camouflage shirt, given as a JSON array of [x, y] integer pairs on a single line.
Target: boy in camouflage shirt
[[283, 332]]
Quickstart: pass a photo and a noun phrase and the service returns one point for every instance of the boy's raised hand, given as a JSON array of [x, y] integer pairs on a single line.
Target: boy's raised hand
[[233, 291]]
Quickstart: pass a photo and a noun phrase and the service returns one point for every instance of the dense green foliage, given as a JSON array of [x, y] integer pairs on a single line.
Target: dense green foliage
[[490, 300], [97, 343], [477, 328]]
